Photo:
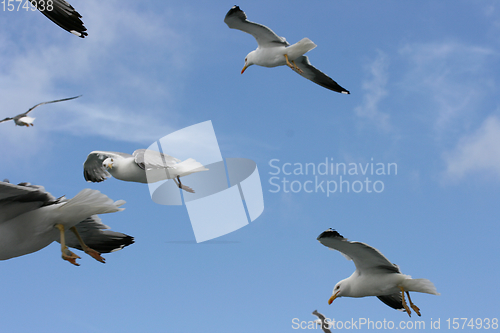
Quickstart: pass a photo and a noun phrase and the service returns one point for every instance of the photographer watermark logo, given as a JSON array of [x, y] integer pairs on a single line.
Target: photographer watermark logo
[[227, 196]]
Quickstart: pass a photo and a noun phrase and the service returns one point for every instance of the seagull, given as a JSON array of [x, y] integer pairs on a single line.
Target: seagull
[[22, 119], [374, 275], [31, 218], [143, 166], [325, 325], [63, 14], [275, 51]]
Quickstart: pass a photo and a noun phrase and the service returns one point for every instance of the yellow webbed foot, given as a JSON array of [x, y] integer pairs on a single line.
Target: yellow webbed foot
[[94, 254], [70, 256]]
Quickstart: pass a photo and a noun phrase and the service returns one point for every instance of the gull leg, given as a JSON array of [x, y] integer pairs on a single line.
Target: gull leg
[[294, 66], [66, 253], [91, 252], [404, 302], [184, 187], [413, 306], [297, 68], [288, 62]]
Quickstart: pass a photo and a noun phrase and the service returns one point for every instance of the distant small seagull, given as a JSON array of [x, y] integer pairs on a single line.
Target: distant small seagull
[[374, 275], [144, 166], [276, 51], [22, 119], [322, 321], [31, 218], [63, 14]]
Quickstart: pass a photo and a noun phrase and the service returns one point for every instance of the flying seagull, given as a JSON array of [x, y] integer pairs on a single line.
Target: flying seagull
[[143, 166], [22, 119], [31, 218], [325, 325], [275, 51], [63, 14], [374, 275]]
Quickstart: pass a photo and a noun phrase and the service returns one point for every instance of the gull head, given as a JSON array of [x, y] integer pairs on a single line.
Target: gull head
[[337, 292], [108, 163], [248, 61]]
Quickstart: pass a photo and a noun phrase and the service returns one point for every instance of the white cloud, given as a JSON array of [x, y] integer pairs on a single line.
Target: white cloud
[[130, 70], [478, 152], [449, 79], [375, 91]]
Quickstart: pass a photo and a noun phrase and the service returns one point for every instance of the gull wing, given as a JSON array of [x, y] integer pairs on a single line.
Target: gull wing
[[6, 119], [93, 171], [237, 19], [150, 159], [31, 109], [96, 236], [322, 319], [19, 199], [62, 14], [312, 73], [395, 301], [365, 257]]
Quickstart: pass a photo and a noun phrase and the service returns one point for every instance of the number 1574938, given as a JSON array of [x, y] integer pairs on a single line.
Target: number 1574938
[[17, 5]]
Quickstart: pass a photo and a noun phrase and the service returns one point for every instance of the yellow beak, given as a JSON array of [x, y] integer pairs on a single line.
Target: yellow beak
[[244, 68], [332, 299]]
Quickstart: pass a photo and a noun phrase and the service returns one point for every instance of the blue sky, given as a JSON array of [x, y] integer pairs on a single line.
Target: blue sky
[[424, 82]]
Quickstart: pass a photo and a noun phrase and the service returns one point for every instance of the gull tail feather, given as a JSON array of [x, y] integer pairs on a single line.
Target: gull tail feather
[[189, 166], [90, 202], [420, 285], [306, 44], [300, 48]]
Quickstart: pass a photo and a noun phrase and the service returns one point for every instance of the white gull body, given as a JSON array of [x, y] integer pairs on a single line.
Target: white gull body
[[275, 51], [31, 218], [143, 166], [23, 119], [375, 275]]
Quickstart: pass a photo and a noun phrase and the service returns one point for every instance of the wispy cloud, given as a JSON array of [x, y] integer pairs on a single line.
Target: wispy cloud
[[375, 92], [450, 77], [477, 152], [130, 70]]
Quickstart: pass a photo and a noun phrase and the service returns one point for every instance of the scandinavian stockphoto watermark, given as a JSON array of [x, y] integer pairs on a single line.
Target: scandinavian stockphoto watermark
[[329, 177], [226, 197], [362, 323]]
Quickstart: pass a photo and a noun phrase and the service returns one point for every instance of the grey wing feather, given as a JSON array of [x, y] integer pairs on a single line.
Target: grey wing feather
[[150, 159], [95, 236], [64, 15], [19, 199], [237, 19], [312, 73], [322, 318], [395, 301], [365, 257], [6, 119], [93, 171], [55, 101]]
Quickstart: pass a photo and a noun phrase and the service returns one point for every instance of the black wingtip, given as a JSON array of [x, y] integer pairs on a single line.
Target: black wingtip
[[330, 233], [111, 245]]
